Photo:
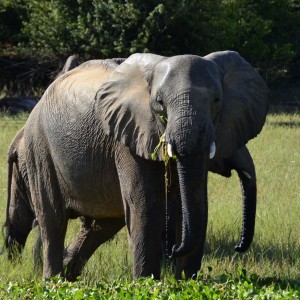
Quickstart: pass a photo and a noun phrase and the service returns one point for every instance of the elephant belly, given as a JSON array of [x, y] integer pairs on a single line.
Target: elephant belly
[[98, 206], [97, 195], [98, 198]]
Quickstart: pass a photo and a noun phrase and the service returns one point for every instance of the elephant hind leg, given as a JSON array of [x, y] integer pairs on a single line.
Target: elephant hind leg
[[92, 234], [48, 200]]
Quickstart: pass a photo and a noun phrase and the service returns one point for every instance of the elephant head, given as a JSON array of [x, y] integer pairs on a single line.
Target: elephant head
[[213, 106]]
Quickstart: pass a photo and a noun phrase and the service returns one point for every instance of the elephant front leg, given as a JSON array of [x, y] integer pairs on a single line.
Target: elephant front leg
[[53, 244], [142, 192], [144, 232]]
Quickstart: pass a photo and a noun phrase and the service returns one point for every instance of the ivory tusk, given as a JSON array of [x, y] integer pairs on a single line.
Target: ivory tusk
[[212, 150], [170, 150]]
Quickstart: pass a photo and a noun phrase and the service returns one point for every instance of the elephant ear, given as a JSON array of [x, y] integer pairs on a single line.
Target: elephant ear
[[245, 103], [123, 105]]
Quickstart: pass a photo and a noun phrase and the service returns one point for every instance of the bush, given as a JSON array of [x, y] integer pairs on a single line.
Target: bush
[[264, 32]]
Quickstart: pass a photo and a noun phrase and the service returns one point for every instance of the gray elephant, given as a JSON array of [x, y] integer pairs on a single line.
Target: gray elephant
[[241, 161], [129, 98]]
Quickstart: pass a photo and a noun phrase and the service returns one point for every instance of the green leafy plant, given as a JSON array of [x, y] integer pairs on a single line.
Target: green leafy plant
[[229, 286]]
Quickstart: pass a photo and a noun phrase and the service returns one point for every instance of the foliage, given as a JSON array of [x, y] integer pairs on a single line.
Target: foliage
[[240, 286], [264, 32], [112, 28], [11, 16]]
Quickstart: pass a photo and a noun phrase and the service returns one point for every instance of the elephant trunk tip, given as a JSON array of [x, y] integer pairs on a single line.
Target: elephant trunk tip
[[182, 250], [242, 246], [177, 251]]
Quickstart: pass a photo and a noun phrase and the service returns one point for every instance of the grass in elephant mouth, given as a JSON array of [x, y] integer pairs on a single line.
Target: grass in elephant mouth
[[275, 250]]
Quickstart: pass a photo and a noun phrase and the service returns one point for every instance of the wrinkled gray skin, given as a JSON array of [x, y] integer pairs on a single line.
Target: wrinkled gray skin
[[196, 94]]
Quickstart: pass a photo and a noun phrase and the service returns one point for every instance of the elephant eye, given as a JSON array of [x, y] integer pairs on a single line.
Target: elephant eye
[[159, 103], [217, 100], [159, 100]]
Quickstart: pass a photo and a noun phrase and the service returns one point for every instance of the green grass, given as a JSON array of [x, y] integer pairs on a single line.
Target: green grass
[[274, 254], [241, 286]]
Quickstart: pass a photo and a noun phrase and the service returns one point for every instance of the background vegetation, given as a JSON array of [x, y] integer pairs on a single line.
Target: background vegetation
[[273, 257], [37, 36], [35, 39]]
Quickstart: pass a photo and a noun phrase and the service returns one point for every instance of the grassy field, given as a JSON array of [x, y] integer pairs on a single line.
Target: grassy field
[[276, 248]]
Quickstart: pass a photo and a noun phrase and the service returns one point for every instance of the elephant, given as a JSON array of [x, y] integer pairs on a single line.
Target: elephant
[[111, 115]]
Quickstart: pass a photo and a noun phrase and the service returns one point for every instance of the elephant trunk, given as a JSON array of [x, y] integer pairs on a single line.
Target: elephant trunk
[[193, 191], [190, 133], [248, 185]]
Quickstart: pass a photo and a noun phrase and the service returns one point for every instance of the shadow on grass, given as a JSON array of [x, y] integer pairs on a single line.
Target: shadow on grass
[[285, 108], [222, 247], [291, 124]]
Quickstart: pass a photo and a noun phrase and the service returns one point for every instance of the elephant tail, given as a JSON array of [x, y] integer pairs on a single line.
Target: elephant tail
[[12, 158]]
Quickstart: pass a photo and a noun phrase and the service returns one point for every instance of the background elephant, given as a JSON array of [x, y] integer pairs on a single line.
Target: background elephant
[[71, 63], [165, 104]]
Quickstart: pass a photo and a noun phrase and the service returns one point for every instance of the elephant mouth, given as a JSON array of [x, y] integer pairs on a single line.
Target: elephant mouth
[[212, 150]]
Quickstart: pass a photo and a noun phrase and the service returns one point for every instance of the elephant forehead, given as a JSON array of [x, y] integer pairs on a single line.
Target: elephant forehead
[[183, 71]]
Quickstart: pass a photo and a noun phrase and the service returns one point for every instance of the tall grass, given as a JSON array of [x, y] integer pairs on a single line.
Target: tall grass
[[276, 247]]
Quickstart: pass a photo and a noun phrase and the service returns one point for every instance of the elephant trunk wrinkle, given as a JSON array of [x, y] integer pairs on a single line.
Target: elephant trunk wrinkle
[[189, 137]]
